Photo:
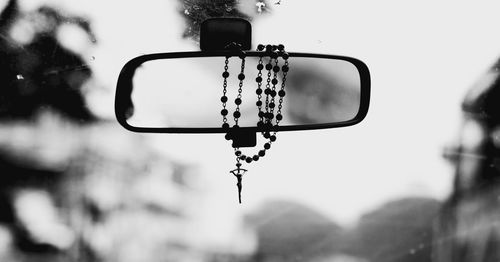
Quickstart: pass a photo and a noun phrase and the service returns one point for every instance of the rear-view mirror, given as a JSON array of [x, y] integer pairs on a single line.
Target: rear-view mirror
[[188, 92]]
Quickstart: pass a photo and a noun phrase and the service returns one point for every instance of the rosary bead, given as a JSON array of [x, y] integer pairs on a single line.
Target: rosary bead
[[227, 136], [267, 135], [267, 146], [281, 93], [269, 66], [248, 159], [237, 153], [259, 103], [279, 117], [281, 47], [236, 126], [285, 68], [274, 81], [241, 76], [260, 66], [225, 74], [225, 126], [224, 112], [261, 114], [243, 157], [267, 91], [260, 124], [272, 105], [269, 48], [258, 91], [273, 93], [276, 69], [242, 54], [238, 164], [262, 153], [285, 55], [260, 47], [255, 157], [236, 114], [258, 79], [274, 55], [223, 99], [237, 101], [272, 138]]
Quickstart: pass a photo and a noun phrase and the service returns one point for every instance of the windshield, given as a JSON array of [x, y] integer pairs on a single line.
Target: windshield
[[76, 186]]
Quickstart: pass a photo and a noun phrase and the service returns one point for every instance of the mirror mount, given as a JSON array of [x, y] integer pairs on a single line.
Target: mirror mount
[[220, 33]]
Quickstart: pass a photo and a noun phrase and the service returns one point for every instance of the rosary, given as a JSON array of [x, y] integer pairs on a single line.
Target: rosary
[[269, 101]]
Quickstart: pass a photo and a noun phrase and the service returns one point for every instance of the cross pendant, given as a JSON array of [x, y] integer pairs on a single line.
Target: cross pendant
[[238, 173]]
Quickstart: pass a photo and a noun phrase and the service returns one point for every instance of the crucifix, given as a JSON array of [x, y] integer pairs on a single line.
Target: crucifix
[[238, 173]]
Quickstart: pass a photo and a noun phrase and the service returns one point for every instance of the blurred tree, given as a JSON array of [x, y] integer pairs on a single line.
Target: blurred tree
[[40, 73]]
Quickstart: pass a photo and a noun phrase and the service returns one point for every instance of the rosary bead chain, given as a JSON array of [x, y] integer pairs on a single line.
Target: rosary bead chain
[[224, 98], [272, 94], [267, 91], [279, 117], [282, 93], [258, 79], [238, 100]]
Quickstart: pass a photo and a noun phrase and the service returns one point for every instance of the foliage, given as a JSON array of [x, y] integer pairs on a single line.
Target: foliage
[[196, 11]]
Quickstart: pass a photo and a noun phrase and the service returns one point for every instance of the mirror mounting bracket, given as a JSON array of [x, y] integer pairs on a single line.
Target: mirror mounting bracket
[[218, 33], [242, 137]]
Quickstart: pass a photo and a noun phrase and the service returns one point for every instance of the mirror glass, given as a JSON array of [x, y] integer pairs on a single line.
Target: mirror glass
[[186, 92]]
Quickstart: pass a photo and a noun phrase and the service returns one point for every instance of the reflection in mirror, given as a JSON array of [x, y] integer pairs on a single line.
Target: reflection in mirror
[[186, 92]]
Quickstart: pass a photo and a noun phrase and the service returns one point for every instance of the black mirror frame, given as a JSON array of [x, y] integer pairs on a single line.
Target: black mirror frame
[[124, 88]]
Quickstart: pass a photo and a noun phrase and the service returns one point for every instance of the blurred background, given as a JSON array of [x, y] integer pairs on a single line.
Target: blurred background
[[75, 186]]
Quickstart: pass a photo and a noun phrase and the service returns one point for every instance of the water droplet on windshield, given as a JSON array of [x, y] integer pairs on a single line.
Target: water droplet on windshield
[[20, 77], [92, 58], [260, 6], [412, 251]]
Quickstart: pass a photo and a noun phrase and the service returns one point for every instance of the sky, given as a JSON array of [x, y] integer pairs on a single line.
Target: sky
[[423, 56]]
